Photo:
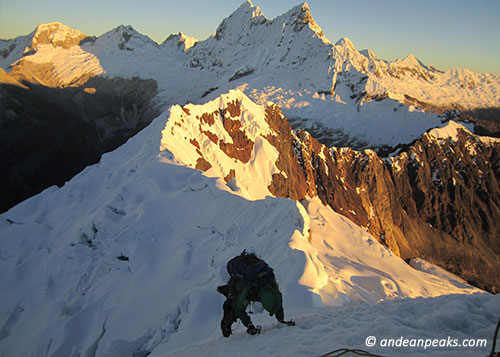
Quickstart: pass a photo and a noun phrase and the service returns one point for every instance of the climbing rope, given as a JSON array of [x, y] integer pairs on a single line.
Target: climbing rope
[[343, 351], [493, 353]]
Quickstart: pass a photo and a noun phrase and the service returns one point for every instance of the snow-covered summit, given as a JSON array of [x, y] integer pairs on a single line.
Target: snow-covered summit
[[247, 44], [54, 34], [408, 61], [179, 42], [226, 138], [126, 38], [300, 16], [57, 35], [451, 130]]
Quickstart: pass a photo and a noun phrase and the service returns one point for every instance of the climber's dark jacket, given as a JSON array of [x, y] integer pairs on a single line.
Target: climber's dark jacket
[[267, 293]]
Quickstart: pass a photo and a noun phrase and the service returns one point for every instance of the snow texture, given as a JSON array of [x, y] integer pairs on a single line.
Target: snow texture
[[124, 260], [450, 130]]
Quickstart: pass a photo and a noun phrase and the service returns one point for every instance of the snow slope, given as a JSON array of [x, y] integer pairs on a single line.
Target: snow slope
[[124, 260], [322, 330], [451, 130]]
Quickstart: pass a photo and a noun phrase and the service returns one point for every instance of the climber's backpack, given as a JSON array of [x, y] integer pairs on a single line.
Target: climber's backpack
[[248, 267]]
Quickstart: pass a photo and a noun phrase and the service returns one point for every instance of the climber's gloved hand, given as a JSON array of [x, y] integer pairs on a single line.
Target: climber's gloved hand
[[252, 330]]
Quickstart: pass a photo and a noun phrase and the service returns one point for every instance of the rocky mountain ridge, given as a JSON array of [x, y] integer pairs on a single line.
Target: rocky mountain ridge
[[427, 201]]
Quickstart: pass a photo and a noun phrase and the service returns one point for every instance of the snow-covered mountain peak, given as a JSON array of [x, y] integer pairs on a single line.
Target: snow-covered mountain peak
[[348, 51], [239, 22], [348, 58], [249, 8], [345, 42], [451, 130], [129, 32], [126, 38], [300, 16], [57, 35], [300, 13], [448, 130], [409, 61], [226, 138], [179, 41]]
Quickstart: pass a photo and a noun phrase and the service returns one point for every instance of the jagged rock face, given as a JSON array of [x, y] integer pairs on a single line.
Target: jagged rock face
[[291, 182], [439, 201], [355, 184], [452, 186], [241, 146]]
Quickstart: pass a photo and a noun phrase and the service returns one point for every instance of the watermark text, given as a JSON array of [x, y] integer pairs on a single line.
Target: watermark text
[[425, 343]]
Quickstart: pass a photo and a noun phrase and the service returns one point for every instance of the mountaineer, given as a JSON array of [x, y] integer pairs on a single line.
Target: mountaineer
[[251, 280]]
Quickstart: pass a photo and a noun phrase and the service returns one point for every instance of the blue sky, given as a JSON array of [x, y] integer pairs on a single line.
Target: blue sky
[[443, 33]]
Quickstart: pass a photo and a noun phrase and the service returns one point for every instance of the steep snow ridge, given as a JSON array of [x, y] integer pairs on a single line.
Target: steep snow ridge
[[252, 180], [172, 228], [12, 50], [323, 330], [195, 134], [346, 265], [126, 256], [451, 130]]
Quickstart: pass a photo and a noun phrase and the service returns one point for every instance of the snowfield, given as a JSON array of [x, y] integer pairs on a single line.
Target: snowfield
[[124, 260], [446, 319]]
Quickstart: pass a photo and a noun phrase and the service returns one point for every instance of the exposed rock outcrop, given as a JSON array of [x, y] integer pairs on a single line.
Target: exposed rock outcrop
[[438, 199], [291, 181]]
